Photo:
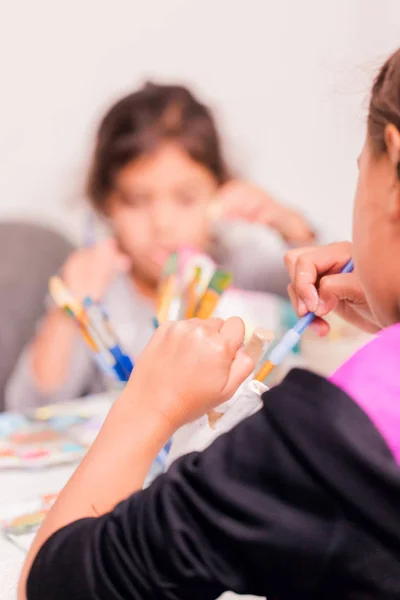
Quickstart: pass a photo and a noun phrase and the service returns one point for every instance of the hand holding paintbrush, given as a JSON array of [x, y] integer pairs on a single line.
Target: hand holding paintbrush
[[200, 363], [96, 330], [91, 270], [291, 338]]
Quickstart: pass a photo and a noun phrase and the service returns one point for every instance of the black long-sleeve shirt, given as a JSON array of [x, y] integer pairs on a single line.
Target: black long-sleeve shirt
[[301, 500]]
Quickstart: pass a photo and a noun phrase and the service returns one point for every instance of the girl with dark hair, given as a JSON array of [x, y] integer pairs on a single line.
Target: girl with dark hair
[[156, 169]]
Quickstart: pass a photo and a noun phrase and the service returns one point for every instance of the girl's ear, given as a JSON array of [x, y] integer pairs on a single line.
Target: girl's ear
[[392, 141]]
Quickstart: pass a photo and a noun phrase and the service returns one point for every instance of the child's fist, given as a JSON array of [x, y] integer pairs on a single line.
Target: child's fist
[[190, 367], [90, 271], [241, 200]]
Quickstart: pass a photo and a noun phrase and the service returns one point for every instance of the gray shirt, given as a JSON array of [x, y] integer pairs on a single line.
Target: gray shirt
[[253, 254]]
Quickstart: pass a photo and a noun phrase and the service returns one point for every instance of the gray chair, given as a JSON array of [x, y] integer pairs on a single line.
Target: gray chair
[[29, 255]]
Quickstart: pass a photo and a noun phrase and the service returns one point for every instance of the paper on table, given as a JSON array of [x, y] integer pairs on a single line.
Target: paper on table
[[49, 436], [20, 521]]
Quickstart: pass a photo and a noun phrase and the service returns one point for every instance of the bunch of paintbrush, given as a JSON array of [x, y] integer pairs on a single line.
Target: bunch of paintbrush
[[96, 329], [190, 291]]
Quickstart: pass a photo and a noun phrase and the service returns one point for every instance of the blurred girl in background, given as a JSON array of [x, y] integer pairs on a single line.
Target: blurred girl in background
[[156, 169]]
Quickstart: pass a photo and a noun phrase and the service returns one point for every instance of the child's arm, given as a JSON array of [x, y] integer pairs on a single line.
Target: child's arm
[[56, 365], [87, 272], [82, 375], [114, 468], [155, 402], [52, 350], [250, 514]]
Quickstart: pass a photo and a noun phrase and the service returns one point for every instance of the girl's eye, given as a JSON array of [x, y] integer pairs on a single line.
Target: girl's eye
[[187, 199], [135, 200]]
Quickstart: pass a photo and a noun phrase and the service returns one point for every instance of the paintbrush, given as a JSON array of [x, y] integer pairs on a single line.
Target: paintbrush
[[219, 282], [100, 323], [95, 330], [191, 295], [65, 300], [167, 288]]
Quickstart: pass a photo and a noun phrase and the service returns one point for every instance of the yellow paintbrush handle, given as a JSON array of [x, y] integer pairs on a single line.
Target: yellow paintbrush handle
[[264, 371]]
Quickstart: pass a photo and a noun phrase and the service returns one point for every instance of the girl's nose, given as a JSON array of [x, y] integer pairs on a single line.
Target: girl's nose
[[162, 218]]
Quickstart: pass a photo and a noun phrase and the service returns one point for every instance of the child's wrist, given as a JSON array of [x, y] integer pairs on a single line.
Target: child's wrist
[[136, 405], [57, 316]]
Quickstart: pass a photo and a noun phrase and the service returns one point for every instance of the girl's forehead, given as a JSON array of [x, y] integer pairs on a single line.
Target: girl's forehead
[[166, 165]]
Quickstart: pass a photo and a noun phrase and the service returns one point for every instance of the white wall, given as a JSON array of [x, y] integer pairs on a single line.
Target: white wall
[[289, 80]]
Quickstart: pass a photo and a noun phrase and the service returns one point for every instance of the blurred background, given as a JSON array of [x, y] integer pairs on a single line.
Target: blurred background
[[288, 81]]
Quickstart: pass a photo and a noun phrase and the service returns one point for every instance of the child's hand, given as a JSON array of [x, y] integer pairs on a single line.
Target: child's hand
[[90, 271], [241, 200], [318, 286], [190, 367]]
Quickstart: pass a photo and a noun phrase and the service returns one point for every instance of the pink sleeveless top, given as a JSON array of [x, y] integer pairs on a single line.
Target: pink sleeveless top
[[371, 377]]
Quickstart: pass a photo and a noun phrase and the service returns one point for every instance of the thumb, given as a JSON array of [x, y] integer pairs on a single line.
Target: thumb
[[241, 368], [233, 332], [336, 288]]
